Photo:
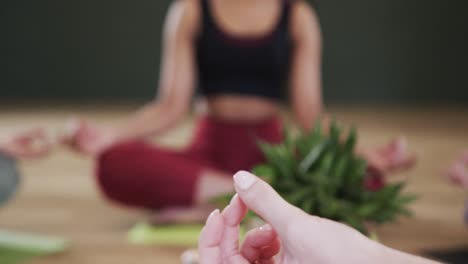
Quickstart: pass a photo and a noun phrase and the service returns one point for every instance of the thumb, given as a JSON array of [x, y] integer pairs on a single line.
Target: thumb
[[265, 201]]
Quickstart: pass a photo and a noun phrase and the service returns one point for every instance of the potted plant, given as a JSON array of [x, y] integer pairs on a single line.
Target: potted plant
[[321, 174]]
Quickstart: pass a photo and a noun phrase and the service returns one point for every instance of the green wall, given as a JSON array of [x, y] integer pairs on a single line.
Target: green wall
[[375, 50]]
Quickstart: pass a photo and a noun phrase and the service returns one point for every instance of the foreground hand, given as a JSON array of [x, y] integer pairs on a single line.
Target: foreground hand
[[33, 143], [87, 138], [299, 237]]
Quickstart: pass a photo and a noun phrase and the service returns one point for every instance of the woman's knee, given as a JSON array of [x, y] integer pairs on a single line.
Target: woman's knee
[[119, 155], [115, 167], [141, 175]]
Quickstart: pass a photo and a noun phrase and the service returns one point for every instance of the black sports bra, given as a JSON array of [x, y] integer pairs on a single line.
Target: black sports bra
[[257, 66]]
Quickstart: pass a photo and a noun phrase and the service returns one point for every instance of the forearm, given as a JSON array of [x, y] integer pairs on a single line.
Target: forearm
[[307, 120], [392, 256], [151, 120]]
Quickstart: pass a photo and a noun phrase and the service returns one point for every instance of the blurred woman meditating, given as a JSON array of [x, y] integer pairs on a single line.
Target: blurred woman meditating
[[239, 54]]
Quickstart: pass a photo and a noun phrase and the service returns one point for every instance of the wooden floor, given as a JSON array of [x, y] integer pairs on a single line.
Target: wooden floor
[[58, 196]]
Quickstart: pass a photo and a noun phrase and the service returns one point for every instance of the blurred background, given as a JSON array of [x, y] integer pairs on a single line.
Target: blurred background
[[375, 50], [392, 67]]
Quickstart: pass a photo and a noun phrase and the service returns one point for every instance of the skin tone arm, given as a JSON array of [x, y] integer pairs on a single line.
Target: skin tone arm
[[176, 86], [291, 236], [177, 76], [306, 87]]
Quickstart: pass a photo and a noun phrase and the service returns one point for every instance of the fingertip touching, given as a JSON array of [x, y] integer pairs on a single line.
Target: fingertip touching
[[261, 198]]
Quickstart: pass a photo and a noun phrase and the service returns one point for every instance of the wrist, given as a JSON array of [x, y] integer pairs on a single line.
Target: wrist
[[125, 132], [384, 254], [388, 255], [377, 253], [118, 133]]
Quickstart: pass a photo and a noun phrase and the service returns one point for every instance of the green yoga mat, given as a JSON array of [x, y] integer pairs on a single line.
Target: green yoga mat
[[166, 235], [19, 247]]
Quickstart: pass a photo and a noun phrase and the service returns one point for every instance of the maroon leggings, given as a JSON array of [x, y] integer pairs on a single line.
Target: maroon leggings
[[142, 175]]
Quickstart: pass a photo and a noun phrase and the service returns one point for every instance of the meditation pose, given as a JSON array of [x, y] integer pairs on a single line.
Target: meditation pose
[[245, 59]]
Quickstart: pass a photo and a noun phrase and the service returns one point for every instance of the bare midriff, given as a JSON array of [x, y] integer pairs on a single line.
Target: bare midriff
[[239, 108]]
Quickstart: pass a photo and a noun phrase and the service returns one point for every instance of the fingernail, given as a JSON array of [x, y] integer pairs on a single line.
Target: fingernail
[[233, 198], [230, 203], [226, 209], [244, 180], [266, 228], [210, 218]]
